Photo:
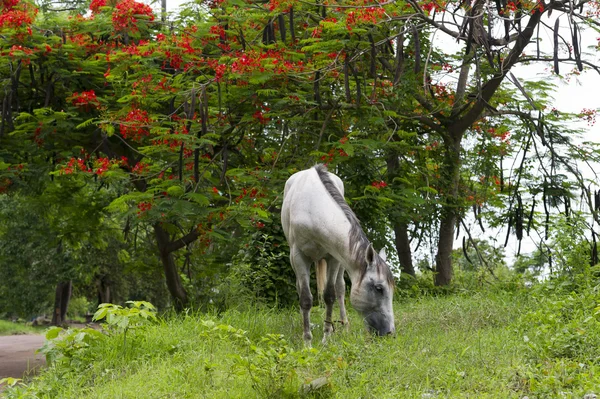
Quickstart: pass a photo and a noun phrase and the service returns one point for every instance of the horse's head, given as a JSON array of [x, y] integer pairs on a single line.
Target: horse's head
[[372, 295]]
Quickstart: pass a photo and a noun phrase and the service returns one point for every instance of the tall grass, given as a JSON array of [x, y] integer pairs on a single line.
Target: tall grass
[[458, 346]]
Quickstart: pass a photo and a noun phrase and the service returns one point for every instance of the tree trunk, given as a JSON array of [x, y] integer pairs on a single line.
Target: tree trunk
[[400, 228], [443, 259], [163, 11], [449, 214], [403, 248], [103, 290], [61, 302], [174, 284]]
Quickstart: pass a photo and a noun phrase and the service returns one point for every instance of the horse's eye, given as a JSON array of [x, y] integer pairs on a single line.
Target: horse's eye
[[379, 288]]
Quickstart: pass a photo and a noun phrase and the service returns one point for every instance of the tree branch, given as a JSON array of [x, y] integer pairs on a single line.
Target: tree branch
[[490, 87], [187, 239]]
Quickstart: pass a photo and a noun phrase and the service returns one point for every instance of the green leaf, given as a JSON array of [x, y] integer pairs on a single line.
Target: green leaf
[[85, 124], [199, 199], [109, 128], [175, 191], [53, 332], [100, 314]]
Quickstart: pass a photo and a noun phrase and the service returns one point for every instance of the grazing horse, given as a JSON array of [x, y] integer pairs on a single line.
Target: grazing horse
[[321, 228]]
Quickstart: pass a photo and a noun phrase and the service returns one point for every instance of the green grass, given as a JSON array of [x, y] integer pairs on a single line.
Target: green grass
[[454, 346], [458, 346], [11, 328]]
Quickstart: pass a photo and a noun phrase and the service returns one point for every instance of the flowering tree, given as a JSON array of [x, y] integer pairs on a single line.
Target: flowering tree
[[195, 125]]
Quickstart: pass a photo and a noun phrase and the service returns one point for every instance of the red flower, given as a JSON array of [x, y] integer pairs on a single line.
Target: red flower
[[140, 168], [8, 4], [96, 4], [14, 18], [85, 100], [126, 14], [143, 207], [136, 125], [74, 165], [217, 31]]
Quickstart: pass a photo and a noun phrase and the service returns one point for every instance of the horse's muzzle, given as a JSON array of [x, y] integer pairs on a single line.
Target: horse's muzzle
[[380, 324]]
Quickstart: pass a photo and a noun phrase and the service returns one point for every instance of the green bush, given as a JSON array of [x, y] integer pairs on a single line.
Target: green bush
[[78, 308], [261, 271], [562, 333]]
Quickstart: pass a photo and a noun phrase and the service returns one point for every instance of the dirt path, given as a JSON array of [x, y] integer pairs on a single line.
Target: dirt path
[[18, 357]]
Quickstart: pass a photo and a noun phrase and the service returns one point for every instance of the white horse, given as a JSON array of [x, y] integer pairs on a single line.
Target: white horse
[[320, 226]]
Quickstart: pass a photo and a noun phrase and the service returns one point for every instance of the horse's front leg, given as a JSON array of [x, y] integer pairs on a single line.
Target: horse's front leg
[[329, 295], [301, 265], [340, 293]]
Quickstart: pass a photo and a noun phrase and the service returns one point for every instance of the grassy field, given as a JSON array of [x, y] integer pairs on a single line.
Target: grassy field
[[457, 346], [10, 328]]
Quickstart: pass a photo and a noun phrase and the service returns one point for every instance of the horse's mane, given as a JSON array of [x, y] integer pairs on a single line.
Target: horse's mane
[[359, 243]]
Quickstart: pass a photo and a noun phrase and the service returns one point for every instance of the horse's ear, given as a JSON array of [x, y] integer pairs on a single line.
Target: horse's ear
[[370, 255], [383, 255]]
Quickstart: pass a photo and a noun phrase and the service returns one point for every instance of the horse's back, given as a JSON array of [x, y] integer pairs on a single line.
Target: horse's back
[[310, 216]]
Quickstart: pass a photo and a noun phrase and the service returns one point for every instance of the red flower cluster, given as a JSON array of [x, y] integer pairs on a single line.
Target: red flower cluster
[[15, 50], [99, 165], [589, 115], [143, 207], [259, 115], [126, 14], [14, 19], [370, 15], [253, 193], [8, 4], [135, 125], [379, 184], [220, 71], [85, 100], [12, 16], [511, 6], [280, 6], [74, 165], [140, 168], [332, 154], [172, 142], [218, 31], [96, 4], [433, 5], [103, 164], [502, 135], [256, 60]]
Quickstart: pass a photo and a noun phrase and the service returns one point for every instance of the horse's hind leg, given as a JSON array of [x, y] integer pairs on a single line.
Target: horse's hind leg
[[329, 295], [340, 293], [301, 264]]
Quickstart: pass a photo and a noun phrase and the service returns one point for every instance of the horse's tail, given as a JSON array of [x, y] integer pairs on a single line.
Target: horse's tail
[[321, 273]]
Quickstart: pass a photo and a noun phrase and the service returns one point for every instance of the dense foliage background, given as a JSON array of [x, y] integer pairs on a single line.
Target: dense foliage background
[[143, 155]]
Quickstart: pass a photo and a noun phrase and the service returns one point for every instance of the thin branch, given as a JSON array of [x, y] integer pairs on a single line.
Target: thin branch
[[481, 258]]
